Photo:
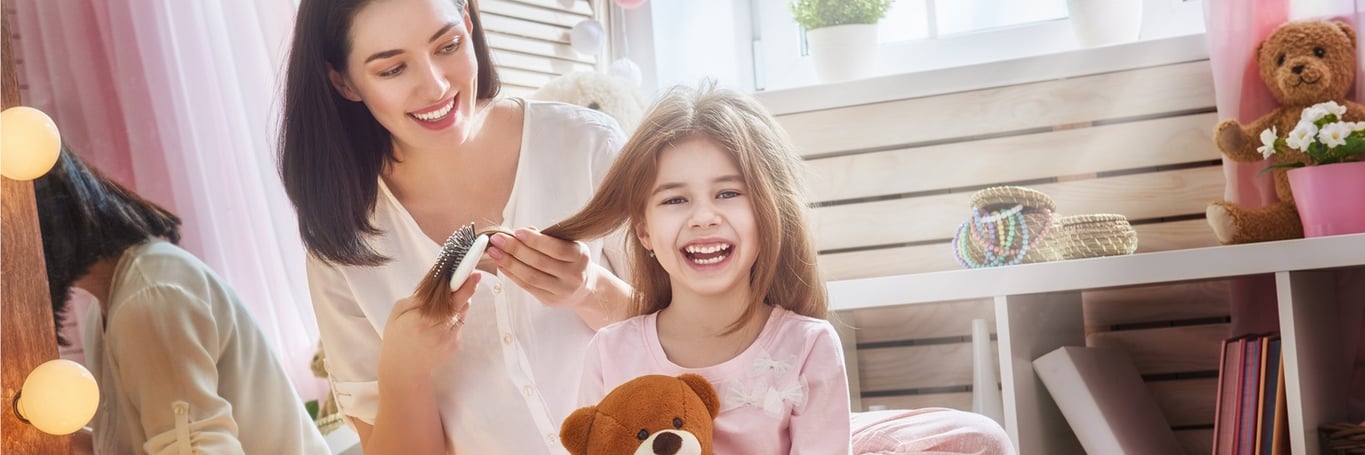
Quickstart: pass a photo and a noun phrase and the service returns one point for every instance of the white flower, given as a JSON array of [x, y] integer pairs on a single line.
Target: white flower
[[1318, 111], [1333, 108], [1267, 147], [1334, 134], [1302, 136], [1357, 126], [1313, 113]]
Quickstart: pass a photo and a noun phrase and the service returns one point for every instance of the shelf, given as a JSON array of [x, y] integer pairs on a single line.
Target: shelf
[[1095, 273], [1319, 285]]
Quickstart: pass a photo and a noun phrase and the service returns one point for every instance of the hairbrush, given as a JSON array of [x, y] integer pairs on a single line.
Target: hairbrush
[[457, 260]]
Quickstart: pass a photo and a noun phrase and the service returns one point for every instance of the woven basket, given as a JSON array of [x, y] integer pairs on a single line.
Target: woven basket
[[1344, 438], [1008, 196], [1038, 214], [1088, 236]]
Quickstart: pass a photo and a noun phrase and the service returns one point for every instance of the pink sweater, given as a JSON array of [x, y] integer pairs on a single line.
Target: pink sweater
[[786, 394]]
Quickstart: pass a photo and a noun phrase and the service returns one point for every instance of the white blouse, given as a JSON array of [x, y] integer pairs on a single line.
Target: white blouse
[[515, 378], [183, 368]]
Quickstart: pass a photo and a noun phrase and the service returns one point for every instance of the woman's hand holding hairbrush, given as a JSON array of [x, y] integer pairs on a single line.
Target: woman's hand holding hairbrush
[[415, 343]]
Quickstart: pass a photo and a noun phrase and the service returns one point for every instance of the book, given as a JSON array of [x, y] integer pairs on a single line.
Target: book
[[1279, 440], [1248, 396], [1104, 400], [1270, 393], [1225, 409]]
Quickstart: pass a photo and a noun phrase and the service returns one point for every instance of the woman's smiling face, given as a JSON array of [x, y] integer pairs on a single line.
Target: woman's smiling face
[[413, 65]]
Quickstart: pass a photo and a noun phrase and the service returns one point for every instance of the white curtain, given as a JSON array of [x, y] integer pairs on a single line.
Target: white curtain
[[180, 101]]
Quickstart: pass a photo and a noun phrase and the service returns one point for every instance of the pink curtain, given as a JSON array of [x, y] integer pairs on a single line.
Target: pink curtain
[[180, 101]]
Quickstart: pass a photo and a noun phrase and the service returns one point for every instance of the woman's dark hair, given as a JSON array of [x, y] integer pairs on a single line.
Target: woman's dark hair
[[331, 148], [85, 217]]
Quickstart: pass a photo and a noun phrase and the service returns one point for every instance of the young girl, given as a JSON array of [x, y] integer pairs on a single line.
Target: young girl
[[725, 275]]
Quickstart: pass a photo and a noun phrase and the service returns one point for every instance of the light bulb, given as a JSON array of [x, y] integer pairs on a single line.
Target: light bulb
[[29, 143], [58, 397], [626, 69], [587, 37]]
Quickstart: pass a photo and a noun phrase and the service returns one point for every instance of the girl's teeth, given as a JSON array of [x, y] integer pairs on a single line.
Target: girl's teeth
[[708, 261], [707, 249]]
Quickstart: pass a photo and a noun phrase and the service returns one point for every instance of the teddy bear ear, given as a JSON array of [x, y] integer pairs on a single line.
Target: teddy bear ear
[[575, 430], [1346, 28], [704, 390]]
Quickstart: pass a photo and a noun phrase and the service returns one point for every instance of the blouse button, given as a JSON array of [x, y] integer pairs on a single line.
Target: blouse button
[[528, 390], [497, 288], [507, 338], [552, 438]]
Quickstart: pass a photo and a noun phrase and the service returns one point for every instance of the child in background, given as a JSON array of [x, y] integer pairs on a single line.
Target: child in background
[[725, 275], [182, 366]]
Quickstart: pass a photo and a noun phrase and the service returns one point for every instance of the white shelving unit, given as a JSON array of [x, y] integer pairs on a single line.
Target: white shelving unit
[[1038, 309]]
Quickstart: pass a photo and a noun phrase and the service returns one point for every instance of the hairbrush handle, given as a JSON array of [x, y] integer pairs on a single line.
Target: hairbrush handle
[[469, 262]]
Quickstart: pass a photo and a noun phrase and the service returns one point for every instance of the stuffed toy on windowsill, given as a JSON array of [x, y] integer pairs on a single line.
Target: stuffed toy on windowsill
[[612, 95], [1303, 63], [652, 414]]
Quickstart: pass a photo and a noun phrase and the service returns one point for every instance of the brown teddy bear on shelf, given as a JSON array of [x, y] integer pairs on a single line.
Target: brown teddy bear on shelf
[[653, 414], [1303, 63]]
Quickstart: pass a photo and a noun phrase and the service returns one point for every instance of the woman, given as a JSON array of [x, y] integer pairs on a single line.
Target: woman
[[181, 366], [393, 138]]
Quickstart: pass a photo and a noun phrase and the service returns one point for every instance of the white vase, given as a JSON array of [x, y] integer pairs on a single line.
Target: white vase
[[1101, 22], [843, 52]]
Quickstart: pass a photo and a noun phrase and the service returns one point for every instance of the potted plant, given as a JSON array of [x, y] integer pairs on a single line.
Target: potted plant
[[1325, 156], [1103, 22], [841, 35]]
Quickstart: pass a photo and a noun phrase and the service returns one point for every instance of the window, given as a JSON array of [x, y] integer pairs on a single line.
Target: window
[[920, 35], [911, 19]]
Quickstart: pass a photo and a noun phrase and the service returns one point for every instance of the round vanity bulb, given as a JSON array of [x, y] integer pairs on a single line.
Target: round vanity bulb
[[29, 143], [59, 397]]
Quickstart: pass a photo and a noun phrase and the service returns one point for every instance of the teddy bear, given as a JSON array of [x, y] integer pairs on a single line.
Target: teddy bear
[[1303, 63], [652, 414], [610, 94]]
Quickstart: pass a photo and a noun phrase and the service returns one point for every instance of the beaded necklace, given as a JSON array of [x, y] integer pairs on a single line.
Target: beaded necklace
[[994, 233]]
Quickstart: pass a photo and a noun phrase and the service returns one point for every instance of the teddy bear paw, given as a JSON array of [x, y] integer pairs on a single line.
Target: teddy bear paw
[[1220, 219]]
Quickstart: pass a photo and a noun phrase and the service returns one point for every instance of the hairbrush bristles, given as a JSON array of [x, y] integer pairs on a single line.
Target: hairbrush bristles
[[457, 260], [436, 286], [454, 251]]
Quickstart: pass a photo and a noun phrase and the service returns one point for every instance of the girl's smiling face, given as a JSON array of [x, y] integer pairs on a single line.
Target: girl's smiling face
[[412, 63], [699, 221]]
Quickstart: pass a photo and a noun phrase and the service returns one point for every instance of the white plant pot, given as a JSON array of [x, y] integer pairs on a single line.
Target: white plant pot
[[843, 52], [1102, 22]]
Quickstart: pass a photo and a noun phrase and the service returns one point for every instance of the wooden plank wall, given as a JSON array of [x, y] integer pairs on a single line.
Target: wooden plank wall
[[891, 182], [529, 40]]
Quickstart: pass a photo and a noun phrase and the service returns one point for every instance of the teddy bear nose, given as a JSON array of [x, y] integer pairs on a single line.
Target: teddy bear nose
[[1298, 69], [667, 444]]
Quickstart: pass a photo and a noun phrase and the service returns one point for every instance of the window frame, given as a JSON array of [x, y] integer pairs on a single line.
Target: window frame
[[778, 43]]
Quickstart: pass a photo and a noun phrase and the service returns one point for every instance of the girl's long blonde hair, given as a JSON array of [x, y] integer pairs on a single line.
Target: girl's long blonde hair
[[784, 273]]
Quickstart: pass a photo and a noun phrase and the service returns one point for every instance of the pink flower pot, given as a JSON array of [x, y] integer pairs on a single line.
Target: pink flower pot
[[1330, 198]]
